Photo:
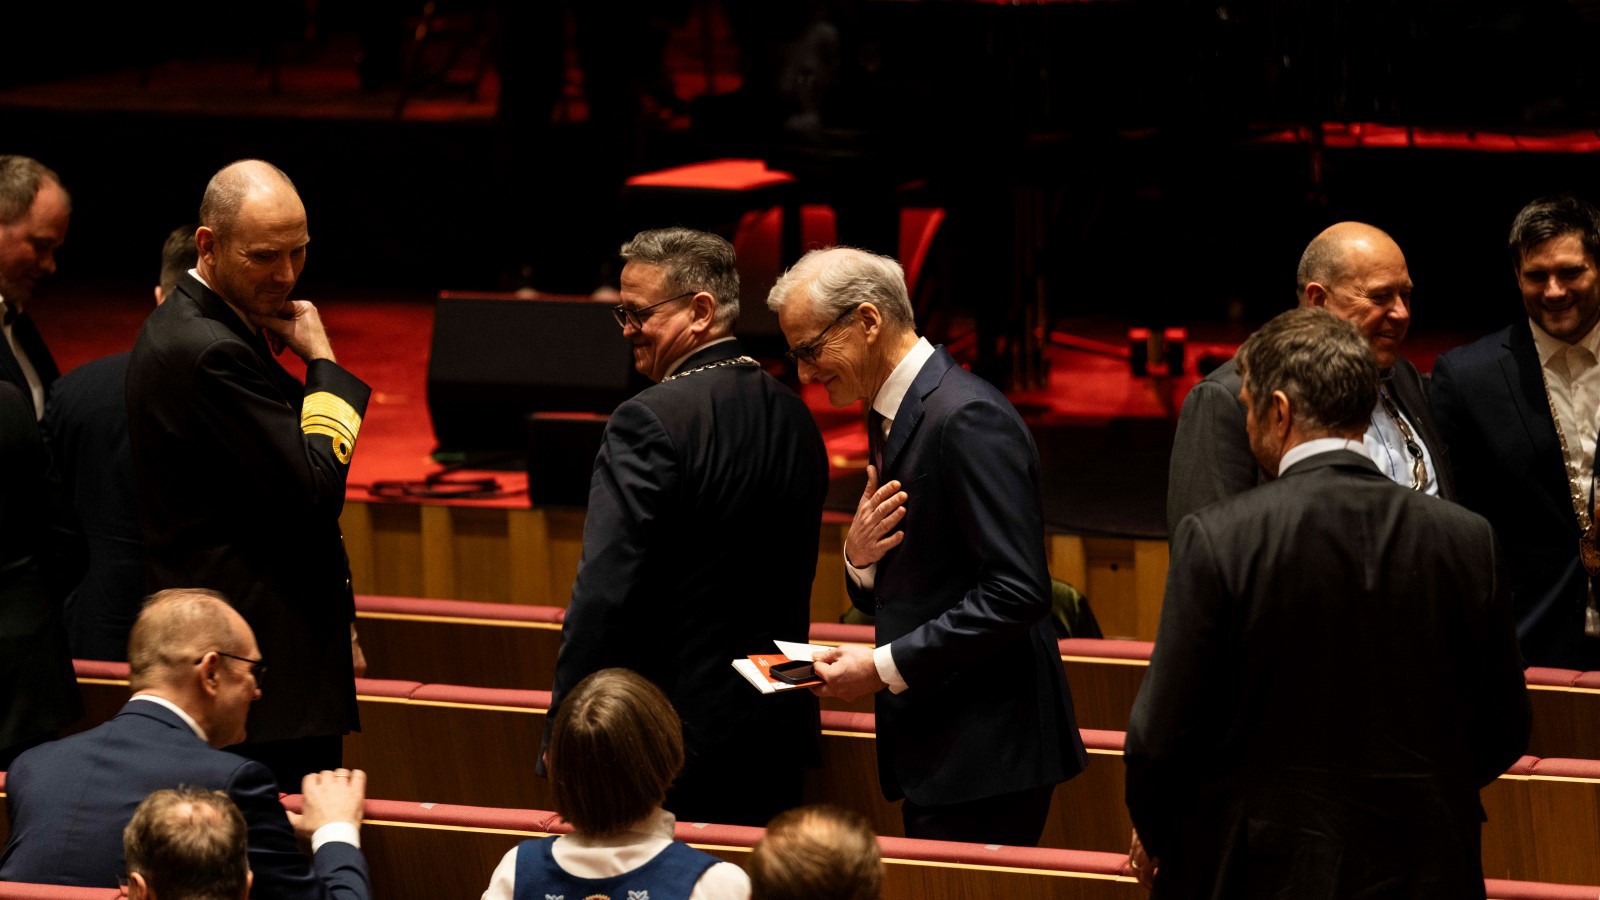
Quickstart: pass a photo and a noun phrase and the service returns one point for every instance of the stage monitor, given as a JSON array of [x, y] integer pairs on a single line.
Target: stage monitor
[[497, 358]]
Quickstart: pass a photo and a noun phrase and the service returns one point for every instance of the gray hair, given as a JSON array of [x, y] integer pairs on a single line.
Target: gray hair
[[693, 261], [21, 177], [841, 278], [1320, 362]]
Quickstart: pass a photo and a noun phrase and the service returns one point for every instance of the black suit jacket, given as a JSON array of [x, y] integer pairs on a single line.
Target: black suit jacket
[[963, 601], [1211, 456], [237, 496], [68, 802], [699, 548], [1335, 676], [86, 431], [1492, 410], [38, 692], [31, 343]]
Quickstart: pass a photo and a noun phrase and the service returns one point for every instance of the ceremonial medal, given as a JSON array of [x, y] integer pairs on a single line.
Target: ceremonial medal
[[1589, 551]]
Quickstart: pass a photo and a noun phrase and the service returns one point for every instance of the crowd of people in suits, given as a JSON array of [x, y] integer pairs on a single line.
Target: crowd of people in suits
[[1329, 509]]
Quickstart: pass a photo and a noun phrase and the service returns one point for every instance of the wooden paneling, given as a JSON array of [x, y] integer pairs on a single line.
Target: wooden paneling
[[531, 556]]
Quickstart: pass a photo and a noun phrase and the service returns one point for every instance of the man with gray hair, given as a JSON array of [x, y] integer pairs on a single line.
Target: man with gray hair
[[1336, 673], [186, 844], [1358, 273], [241, 468], [700, 542], [975, 722], [194, 669], [34, 211]]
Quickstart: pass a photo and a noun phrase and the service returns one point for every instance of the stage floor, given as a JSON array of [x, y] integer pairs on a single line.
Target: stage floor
[[1103, 434]]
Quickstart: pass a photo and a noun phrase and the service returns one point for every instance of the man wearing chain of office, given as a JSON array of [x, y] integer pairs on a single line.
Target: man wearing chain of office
[[700, 540]]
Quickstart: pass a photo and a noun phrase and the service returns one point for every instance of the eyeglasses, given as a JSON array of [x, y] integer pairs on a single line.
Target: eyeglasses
[[807, 352], [258, 667], [627, 315]]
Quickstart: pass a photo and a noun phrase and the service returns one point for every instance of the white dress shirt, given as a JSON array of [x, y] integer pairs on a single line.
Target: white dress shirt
[[1573, 380], [586, 856], [29, 373], [1386, 446], [1317, 446]]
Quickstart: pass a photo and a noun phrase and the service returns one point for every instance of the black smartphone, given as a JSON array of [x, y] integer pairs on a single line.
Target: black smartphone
[[795, 671]]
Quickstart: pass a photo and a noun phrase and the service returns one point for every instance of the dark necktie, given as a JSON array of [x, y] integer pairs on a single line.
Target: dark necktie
[[875, 440]]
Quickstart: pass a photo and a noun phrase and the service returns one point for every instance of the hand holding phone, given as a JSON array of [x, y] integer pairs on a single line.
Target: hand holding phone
[[795, 671]]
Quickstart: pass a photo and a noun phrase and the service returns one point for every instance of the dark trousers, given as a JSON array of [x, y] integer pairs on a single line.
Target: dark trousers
[[294, 759], [734, 790], [1015, 820]]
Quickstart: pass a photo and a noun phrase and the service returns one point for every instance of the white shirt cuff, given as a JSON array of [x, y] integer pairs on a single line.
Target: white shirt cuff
[[862, 577], [343, 832], [888, 673]]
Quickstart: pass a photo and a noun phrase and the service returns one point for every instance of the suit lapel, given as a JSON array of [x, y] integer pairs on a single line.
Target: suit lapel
[[11, 369], [214, 307], [32, 343], [1525, 385], [909, 414]]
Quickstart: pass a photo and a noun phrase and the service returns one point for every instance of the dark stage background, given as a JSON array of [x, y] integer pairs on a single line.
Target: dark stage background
[[1134, 130], [1111, 163]]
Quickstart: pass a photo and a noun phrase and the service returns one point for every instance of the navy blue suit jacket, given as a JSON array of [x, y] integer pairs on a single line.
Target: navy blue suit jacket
[[964, 600], [86, 429], [699, 548], [69, 800], [1489, 402]]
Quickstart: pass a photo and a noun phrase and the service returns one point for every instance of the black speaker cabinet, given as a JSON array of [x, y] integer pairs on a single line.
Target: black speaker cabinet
[[496, 359], [561, 452]]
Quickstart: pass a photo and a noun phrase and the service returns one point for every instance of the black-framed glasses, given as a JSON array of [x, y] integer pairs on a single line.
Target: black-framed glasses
[[626, 315], [258, 667], [807, 352]]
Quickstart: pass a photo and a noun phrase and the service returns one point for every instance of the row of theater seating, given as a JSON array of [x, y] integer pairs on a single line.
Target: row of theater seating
[[510, 646], [427, 851], [474, 746]]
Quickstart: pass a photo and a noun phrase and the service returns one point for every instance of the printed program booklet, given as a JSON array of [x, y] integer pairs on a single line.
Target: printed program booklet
[[754, 668]]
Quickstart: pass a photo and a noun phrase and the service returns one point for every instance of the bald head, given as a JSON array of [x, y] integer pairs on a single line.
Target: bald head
[[228, 190], [1357, 272], [177, 627], [1331, 255]]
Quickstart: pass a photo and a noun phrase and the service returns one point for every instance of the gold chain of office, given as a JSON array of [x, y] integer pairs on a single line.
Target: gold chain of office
[[730, 361], [1588, 545]]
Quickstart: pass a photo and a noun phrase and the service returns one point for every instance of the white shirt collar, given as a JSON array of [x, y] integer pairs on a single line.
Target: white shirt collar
[[1550, 347], [679, 361], [1317, 446], [893, 393], [187, 719], [229, 303]]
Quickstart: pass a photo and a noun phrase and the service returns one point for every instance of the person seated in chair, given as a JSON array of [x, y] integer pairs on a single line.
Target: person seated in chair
[[615, 746]]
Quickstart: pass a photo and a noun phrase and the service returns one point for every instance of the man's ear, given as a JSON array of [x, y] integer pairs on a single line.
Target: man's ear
[[704, 309], [205, 241], [1281, 412], [137, 888], [871, 320], [1316, 296], [209, 667]]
